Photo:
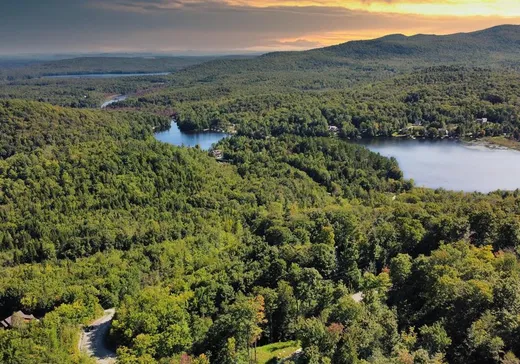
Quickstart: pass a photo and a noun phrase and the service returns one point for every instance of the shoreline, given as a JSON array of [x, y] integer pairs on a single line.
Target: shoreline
[[493, 143], [496, 143]]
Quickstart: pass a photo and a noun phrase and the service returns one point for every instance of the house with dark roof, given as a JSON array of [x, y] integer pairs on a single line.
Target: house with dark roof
[[18, 316]]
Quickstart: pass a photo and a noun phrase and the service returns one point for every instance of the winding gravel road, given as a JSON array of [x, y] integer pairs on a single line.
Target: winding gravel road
[[94, 342]]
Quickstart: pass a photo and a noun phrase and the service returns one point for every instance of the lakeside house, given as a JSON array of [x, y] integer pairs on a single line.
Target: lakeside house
[[333, 129], [443, 132], [17, 317], [218, 154]]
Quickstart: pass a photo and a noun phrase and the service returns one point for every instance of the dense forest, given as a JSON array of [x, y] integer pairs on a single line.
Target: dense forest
[[97, 65], [296, 237], [434, 102]]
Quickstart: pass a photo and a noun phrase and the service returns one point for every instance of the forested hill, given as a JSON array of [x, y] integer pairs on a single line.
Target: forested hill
[[101, 64], [120, 64], [203, 260], [487, 46], [498, 46]]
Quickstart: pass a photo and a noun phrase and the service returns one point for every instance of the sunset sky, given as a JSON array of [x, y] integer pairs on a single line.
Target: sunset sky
[[231, 26]]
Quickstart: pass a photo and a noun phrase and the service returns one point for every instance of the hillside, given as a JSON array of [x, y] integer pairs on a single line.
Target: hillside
[[359, 61], [276, 240], [339, 67], [99, 64], [487, 46]]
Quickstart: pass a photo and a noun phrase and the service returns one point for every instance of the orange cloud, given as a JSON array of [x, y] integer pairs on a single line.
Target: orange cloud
[[463, 8], [264, 25], [503, 8]]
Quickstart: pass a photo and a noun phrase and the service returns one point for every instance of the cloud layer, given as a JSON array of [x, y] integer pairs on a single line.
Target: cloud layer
[[27, 26]]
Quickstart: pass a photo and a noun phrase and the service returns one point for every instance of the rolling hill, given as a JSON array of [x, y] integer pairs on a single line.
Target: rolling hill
[[489, 45], [498, 46]]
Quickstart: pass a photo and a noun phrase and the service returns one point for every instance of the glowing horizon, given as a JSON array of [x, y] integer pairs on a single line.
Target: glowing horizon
[[233, 25], [464, 8]]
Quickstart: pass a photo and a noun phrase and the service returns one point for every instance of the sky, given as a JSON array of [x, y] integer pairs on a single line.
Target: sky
[[230, 26]]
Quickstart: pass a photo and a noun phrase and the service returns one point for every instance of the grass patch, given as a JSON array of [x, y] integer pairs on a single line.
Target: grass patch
[[502, 142], [270, 353]]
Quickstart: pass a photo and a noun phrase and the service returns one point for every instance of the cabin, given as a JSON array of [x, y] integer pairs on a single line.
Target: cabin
[[358, 297], [482, 120], [8, 322], [218, 154], [443, 132]]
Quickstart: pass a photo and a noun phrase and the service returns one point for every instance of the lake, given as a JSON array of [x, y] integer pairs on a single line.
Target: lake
[[452, 165], [107, 75], [447, 164], [176, 137]]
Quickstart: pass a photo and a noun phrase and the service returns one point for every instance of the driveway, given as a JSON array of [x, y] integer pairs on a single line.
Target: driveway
[[94, 340]]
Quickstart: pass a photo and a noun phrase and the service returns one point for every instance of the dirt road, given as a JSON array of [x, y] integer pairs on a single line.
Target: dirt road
[[93, 339]]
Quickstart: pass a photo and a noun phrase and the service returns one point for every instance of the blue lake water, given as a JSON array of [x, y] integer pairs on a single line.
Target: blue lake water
[[452, 165], [176, 137], [447, 164], [108, 75]]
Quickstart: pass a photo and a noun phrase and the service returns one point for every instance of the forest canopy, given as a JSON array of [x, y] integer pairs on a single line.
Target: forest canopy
[[296, 237]]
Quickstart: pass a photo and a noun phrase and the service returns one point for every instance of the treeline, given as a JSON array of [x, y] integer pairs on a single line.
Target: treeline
[[432, 103], [28, 126], [100, 64], [78, 92]]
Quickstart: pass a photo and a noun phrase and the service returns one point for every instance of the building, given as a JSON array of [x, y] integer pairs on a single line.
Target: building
[[482, 120], [443, 132], [358, 297], [333, 129], [218, 154], [8, 322]]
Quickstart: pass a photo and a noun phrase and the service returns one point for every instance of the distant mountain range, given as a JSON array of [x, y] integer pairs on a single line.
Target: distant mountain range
[[497, 46], [492, 42], [370, 59], [494, 45]]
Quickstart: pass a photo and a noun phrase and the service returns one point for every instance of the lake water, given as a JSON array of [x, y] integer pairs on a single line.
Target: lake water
[[108, 75], [176, 137], [447, 164], [452, 165]]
